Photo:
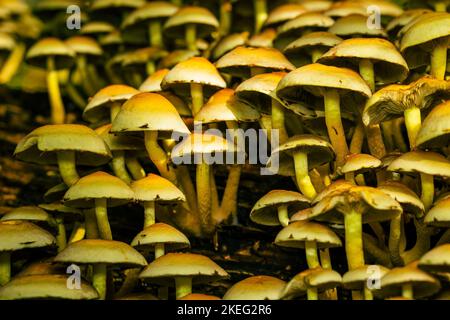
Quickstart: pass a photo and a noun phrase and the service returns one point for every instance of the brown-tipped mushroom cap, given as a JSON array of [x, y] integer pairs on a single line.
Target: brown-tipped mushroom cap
[[28, 213], [360, 162], [421, 162], [346, 8], [436, 260], [435, 129], [50, 47], [320, 40], [439, 215], [296, 234], [156, 188], [18, 235], [204, 20], [84, 45], [284, 13], [256, 288], [160, 233], [155, 10], [177, 56]]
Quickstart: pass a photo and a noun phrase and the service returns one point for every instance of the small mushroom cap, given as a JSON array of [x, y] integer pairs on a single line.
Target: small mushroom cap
[[196, 70], [435, 130], [256, 288], [346, 8], [119, 142], [155, 10], [96, 27], [204, 20], [284, 13], [296, 234], [439, 215], [153, 82], [42, 144], [45, 287], [316, 5], [50, 47], [407, 198], [389, 65], [335, 186], [260, 90], [98, 185], [264, 212], [199, 296], [423, 284], [45, 267], [99, 105], [421, 162], [156, 188], [310, 41], [264, 39], [394, 26], [322, 279], [318, 150], [28, 213], [201, 268], [115, 4], [360, 162], [177, 56], [355, 25], [160, 233], [142, 56], [356, 279], [240, 60], [317, 78], [436, 260], [84, 45], [223, 106], [18, 235], [373, 204], [149, 112], [7, 42], [96, 251], [228, 43]]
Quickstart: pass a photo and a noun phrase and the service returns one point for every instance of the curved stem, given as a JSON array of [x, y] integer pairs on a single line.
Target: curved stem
[[61, 237], [366, 71], [439, 59], [155, 34], [159, 157], [99, 280], [67, 167], [90, 223], [130, 282], [183, 286], [260, 8], [159, 250], [312, 294], [353, 240], [413, 122], [379, 232], [283, 215], [204, 195], [75, 95], [149, 213], [427, 196], [118, 166], [278, 120], [358, 138], [197, 97], [423, 243], [134, 167], [78, 232], [312, 258], [85, 80], [228, 206], [101, 213], [302, 175], [225, 17], [58, 112], [13, 63], [378, 254], [388, 135], [187, 186], [5, 268], [375, 141], [395, 232], [191, 37]]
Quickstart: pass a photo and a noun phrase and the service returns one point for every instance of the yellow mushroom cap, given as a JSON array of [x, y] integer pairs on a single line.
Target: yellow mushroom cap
[[205, 21], [50, 47], [18, 235], [256, 288], [155, 10], [360, 162], [435, 129], [357, 279], [7, 42], [160, 233], [96, 27], [355, 25], [296, 234], [199, 296], [310, 41], [119, 142], [346, 8], [177, 56], [228, 43], [153, 81], [284, 13], [156, 188], [45, 267], [394, 26], [100, 5], [84, 45], [28, 213], [431, 163], [439, 215], [407, 198], [264, 39]]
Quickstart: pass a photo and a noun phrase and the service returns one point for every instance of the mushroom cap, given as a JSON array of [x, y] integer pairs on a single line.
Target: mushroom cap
[[421, 162], [240, 60], [335, 186], [196, 70], [42, 144], [355, 25], [402, 20], [296, 234], [18, 235], [177, 56], [356, 279], [439, 215], [142, 56], [45, 267], [317, 78], [28, 213], [389, 65], [407, 198], [119, 142], [115, 4], [264, 212], [149, 112], [98, 185], [391, 102], [153, 81], [201, 268], [84, 45], [45, 287], [256, 288], [435, 129], [436, 260], [346, 8], [423, 284], [386, 7], [160, 233], [96, 28], [98, 251], [99, 105], [199, 296], [7, 42], [374, 205], [260, 90], [155, 10], [228, 43], [318, 150], [321, 279], [156, 188], [264, 39], [51, 47], [57, 208], [316, 5], [310, 41], [223, 106], [204, 20], [284, 13], [360, 162]]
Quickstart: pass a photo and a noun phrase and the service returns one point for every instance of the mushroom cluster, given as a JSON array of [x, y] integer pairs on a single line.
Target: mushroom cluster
[[339, 109]]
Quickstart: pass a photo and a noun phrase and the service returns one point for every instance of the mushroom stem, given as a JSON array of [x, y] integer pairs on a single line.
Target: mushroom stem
[[334, 125], [422, 245], [149, 213], [78, 232], [114, 109], [225, 17], [58, 113], [357, 138], [204, 195], [395, 232], [408, 291], [388, 135], [187, 187], [353, 240], [378, 254], [440, 6], [118, 166], [398, 135], [427, 196], [260, 7], [366, 71], [439, 60], [67, 167], [75, 96], [301, 173], [191, 37], [183, 286], [413, 122], [368, 295], [101, 214], [159, 250], [215, 204], [61, 237], [154, 32], [150, 67], [134, 167], [86, 81], [350, 177], [197, 97], [311, 294], [99, 279], [13, 63], [311, 254], [90, 223], [316, 54], [375, 140], [278, 120], [229, 199], [5, 268], [283, 215], [325, 259], [159, 157]]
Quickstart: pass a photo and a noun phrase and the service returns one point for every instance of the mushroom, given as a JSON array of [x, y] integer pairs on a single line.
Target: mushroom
[[356, 26], [283, 13], [264, 39], [11, 64], [228, 43], [358, 279], [436, 260], [185, 268], [134, 61], [346, 8], [96, 29], [100, 254], [438, 216], [52, 54], [256, 288], [396, 24], [356, 164], [177, 56], [316, 5], [434, 132], [65, 145]]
